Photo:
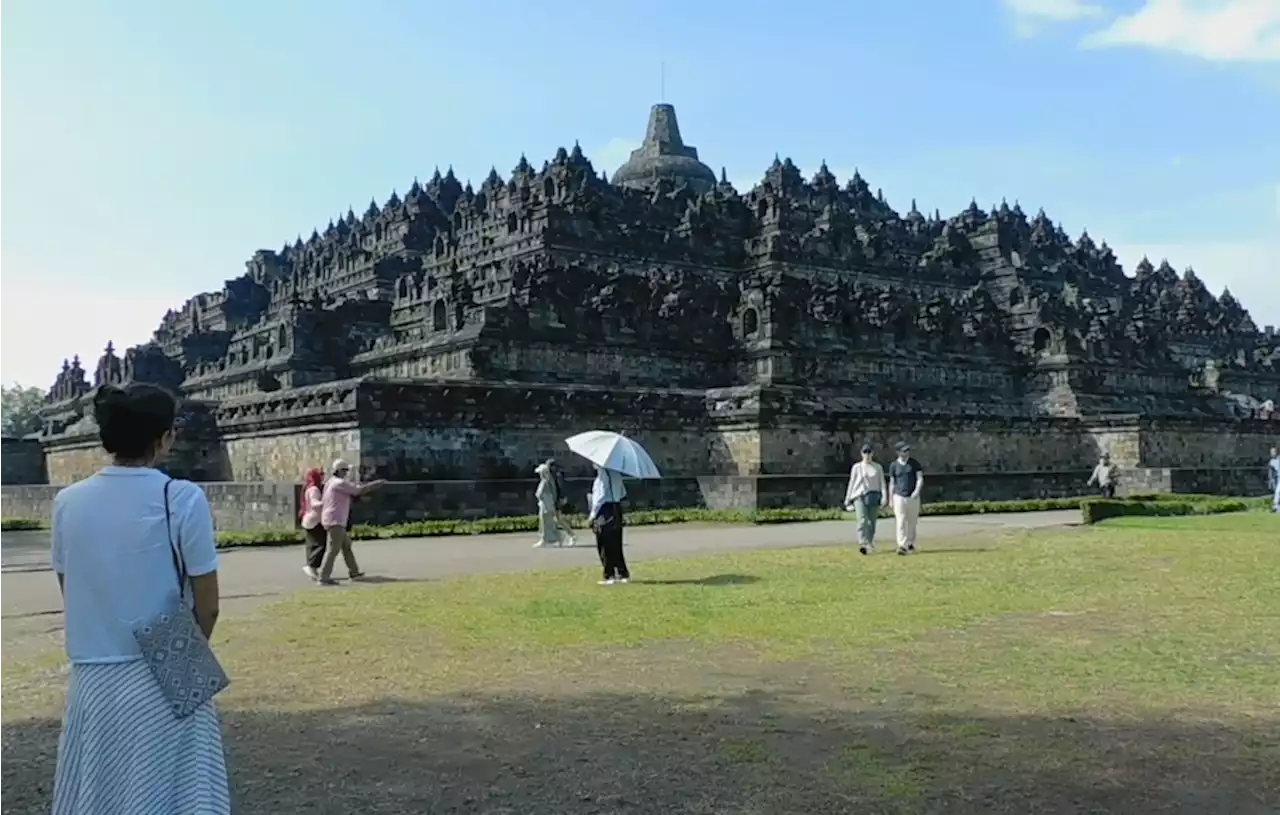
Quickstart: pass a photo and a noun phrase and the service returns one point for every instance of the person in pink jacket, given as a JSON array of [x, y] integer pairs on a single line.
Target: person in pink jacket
[[335, 512]]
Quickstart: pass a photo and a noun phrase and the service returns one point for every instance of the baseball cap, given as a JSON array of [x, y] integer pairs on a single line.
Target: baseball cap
[[339, 465]]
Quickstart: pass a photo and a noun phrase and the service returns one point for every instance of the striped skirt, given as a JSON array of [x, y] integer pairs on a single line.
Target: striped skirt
[[123, 752]]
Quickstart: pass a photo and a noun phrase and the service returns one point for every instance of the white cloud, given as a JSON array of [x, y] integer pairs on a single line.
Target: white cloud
[[1214, 30], [1030, 16]]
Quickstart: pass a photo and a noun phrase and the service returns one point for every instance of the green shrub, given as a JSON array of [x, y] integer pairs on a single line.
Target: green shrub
[[19, 524], [640, 517], [1099, 509], [1094, 509]]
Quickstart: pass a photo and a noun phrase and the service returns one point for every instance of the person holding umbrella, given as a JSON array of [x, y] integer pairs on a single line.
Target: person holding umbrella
[[614, 456], [605, 518]]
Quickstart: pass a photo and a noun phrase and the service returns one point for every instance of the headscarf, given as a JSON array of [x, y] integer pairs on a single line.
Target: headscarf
[[313, 478]]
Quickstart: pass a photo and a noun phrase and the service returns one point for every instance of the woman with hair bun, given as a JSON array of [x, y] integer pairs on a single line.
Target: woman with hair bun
[[117, 539]]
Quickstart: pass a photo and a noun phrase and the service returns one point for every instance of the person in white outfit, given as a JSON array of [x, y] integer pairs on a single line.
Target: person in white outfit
[[906, 478], [864, 496], [552, 528], [1273, 478]]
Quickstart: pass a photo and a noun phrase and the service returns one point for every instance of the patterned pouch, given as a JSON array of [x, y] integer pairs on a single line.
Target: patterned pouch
[[175, 648]]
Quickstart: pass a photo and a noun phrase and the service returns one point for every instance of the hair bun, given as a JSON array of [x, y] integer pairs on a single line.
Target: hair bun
[[132, 420]]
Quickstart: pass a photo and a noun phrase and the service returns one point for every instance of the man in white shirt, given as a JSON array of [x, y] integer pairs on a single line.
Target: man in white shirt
[[1104, 477], [605, 518]]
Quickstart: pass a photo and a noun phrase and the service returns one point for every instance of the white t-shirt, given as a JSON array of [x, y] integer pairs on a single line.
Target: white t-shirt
[[111, 543]]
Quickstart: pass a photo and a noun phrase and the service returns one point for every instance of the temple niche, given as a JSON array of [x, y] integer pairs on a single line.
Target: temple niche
[[665, 276]]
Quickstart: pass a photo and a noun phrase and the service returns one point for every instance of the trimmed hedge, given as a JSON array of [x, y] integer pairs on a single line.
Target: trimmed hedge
[[643, 517], [1100, 509], [20, 524], [1093, 509]]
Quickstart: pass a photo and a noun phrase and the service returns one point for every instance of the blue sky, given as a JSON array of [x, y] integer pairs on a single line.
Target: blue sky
[[150, 147]]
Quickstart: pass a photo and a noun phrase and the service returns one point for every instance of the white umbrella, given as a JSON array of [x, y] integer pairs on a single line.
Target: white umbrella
[[614, 451]]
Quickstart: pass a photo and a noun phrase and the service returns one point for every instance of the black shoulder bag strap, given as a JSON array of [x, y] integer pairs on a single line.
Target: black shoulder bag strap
[[173, 546]]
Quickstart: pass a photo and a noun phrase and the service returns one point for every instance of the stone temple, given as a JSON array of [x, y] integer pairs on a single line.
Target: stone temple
[[452, 337]]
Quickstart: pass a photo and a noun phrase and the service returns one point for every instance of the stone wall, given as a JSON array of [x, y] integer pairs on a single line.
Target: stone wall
[[71, 458], [942, 445], [1243, 481], [1121, 439], [236, 506], [285, 455], [239, 506], [22, 462], [434, 431], [33, 501], [1204, 444]]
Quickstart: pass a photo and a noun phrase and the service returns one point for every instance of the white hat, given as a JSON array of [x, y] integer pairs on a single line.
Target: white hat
[[339, 465]]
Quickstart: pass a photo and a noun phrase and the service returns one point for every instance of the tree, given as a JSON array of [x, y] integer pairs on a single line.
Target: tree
[[19, 411]]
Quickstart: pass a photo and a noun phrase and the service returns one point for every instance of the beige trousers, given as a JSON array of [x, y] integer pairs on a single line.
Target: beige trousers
[[339, 543], [906, 512]]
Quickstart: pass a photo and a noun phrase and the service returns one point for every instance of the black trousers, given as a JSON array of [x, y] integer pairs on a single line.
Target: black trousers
[[316, 543], [1109, 491], [608, 529]]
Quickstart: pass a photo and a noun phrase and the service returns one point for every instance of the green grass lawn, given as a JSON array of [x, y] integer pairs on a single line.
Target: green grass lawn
[[1128, 667]]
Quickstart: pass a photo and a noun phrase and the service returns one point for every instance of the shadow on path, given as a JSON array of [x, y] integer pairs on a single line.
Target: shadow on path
[[657, 755]]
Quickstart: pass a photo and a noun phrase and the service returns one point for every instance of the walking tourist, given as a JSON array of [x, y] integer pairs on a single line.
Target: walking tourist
[[312, 503], [906, 478], [335, 516], [562, 503], [1273, 478], [551, 529], [1104, 477], [548, 527], [605, 518], [864, 496], [129, 545]]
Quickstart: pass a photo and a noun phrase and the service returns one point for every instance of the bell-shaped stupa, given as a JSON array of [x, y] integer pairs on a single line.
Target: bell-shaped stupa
[[665, 156]]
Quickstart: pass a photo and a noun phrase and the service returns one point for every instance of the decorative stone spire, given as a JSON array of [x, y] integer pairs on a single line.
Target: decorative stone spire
[[664, 156]]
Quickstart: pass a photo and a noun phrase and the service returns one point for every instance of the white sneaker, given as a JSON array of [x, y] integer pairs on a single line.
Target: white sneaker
[[538, 545], [310, 572], [867, 548], [624, 580], [608, 582]]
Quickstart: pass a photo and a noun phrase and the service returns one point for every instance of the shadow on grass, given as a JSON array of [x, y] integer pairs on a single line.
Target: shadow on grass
[[757, 752], [713, 580]]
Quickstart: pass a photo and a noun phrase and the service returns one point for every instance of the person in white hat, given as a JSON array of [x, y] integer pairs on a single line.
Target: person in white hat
[[335, 512]]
